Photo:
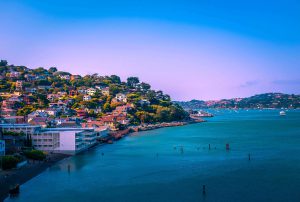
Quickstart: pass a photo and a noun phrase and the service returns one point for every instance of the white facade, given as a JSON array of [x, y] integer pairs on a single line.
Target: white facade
[[45, 141], [58, 140], [26, 128], [121, 97], [91, 91], [64, 140], [86, 98], [66, 77]]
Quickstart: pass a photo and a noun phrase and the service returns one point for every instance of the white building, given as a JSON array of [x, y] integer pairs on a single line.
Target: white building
[[66, 77], [121, 97], [91, 91], [51, 112], [64, 140], [26, 128], [102, 132], [86, 98], [57, 140]]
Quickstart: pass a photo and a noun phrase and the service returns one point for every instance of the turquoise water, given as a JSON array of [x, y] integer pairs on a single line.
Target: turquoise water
[[150, 166]]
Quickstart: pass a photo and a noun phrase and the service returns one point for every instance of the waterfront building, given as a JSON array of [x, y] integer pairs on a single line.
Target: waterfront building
[[25, 128], [13, 119], [8, 112], [56, 140], [112, 120], [64, 140]]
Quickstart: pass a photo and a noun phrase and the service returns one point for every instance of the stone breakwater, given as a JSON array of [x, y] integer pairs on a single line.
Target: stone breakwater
[[116, 135], [145, 127]]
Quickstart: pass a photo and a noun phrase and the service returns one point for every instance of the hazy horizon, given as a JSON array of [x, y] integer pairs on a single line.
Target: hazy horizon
[[190, 50]]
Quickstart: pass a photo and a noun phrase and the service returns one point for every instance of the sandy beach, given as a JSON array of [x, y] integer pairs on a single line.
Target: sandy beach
[[12, 177]]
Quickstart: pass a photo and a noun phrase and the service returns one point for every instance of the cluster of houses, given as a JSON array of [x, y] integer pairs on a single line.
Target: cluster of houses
[[58, 127], [59, 106]]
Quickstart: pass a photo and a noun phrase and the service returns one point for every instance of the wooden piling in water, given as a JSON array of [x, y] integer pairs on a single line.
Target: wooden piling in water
[[227, 147]]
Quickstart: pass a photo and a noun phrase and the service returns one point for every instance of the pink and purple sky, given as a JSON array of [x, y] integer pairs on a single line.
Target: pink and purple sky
[[189, 49]]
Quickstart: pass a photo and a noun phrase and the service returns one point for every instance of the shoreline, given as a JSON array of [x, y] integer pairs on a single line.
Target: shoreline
[[20, 176], [9, 178], [116, 135]]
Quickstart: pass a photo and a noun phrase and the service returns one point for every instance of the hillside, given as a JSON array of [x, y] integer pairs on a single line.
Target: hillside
[[267, 100], [38, 92]]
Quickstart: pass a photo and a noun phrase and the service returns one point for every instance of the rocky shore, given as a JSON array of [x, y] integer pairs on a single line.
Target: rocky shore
[[145, 127], [116, 135]]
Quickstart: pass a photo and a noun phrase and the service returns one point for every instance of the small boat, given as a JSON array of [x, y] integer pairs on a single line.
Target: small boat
[[202, 114], [282, 113]]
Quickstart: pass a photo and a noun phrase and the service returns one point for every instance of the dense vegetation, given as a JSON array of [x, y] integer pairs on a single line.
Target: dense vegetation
[[159, 107], [35, 155], [9, 162]]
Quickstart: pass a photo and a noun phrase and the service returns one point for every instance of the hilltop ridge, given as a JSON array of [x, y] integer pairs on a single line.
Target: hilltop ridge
[[266, 100]]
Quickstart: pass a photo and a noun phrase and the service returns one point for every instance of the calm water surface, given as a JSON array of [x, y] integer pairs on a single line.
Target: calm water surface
[[150, 166]]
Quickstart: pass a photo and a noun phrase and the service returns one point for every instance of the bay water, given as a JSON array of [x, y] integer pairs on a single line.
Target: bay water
[[173, 164]]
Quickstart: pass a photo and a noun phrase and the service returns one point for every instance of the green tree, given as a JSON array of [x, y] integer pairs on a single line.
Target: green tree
[[9, 162], [3, 63], [35, 155], [115, 79], [145, 86], [132, 81], [52, 70], [106, 107]]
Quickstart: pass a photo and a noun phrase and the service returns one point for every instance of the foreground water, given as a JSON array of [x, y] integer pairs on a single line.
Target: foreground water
[[150, 166]]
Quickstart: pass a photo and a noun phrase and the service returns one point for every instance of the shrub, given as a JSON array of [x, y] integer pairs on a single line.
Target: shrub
[[35, 155], [9, 162]]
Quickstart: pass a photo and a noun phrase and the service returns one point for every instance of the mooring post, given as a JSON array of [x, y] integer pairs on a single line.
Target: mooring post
[[249, 156], [209, 146], [227, 147], [203, 190]]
